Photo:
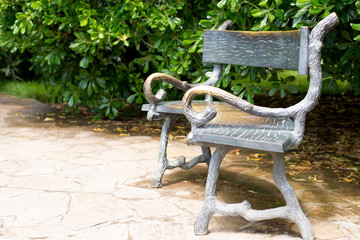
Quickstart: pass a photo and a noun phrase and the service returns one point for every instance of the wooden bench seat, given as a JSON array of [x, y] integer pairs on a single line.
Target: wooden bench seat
[[237, 128]]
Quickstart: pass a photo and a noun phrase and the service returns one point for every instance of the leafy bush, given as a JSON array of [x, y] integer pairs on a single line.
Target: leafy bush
[[98, 53]]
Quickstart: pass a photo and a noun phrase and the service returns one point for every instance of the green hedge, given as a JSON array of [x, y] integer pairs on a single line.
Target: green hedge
[[98, 53]]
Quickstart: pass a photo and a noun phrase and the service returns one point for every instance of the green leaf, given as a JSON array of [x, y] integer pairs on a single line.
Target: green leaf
[[50, 40], [258, 13], [343, 46], [331, 85], [273, 91], [357, 38], [315, 11], [131, 98], [185, 42], [146, 67], [301, 12], [192, 49], [355, 26], [84, 63], [256, 89], [83, 83], [13, 50], [222, 3], [89, 90], [260, 24], [139, 100], [227, 69], [172, 24], [71, 101], [84, 22], [263, 3], [114, 111], [100, 82], [316, 3], [177, 21], [282, 93], [346, 35], [271, 17], [292, 89], [233, 5]]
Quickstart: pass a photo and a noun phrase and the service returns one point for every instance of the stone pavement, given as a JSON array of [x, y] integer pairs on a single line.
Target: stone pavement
[[73, 183]]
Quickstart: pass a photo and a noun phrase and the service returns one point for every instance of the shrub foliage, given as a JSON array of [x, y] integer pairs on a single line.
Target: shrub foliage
[[98, 53]]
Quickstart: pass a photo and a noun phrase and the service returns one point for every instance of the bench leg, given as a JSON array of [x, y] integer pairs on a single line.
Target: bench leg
[[164, 163], [292, 211], [207, 211], [296, 214]]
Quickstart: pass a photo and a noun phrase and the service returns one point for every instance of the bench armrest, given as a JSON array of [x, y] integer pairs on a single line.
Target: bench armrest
[[199, 119]]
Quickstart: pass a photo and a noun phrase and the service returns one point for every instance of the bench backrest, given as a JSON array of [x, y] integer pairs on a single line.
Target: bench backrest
[[275, 49]]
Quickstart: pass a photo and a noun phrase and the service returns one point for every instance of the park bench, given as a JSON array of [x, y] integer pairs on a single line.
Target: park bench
[[159, 110], [234, 123], [239, 124]]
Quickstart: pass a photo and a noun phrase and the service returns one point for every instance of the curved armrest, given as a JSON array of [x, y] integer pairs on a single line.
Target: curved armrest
[[199, 119], [161, 94]]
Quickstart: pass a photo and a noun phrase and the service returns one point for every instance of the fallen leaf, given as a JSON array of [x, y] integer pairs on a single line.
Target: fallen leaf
[[120, 129], [348, 180], [299, 179], [97, 129], [49, 119]]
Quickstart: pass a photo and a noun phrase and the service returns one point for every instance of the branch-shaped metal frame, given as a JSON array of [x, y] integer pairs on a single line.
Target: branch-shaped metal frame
[[292, 211], [297, 112]]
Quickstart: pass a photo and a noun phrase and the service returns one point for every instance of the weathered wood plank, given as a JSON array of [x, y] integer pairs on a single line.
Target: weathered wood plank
[[277, 49]]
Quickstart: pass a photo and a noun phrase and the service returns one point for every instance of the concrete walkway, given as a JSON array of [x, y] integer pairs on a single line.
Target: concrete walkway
[[73, 183]]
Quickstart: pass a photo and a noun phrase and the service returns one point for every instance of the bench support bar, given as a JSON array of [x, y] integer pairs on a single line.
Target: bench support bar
[[164, 163], [292, 211]]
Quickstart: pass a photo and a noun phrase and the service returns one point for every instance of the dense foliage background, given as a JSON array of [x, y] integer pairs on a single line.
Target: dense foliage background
[[98, 53]]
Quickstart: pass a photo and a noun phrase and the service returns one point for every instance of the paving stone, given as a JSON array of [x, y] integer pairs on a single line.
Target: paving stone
[[9, 166], [157, 209], [132, 193], [350, 227], [44, 182], [316, 196], [32, 207], [14, 238], [109, 232], [90, 209], [159, 230], [326, 230], [40, 231], [104, 177]]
